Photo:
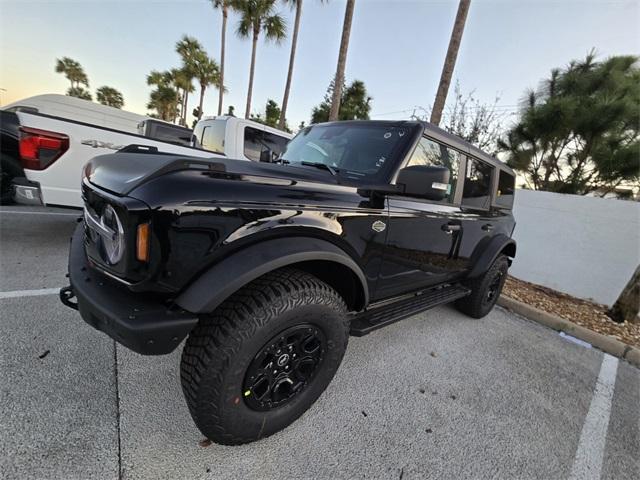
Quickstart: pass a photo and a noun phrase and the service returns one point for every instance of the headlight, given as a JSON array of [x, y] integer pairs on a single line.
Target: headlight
[[113, 240], [87, 170]]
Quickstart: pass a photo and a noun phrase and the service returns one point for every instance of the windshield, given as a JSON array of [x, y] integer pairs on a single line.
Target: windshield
[[356, 152]]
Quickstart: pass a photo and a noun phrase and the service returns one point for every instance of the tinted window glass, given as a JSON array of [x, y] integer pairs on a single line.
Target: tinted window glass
[[357, 152], [197, 135], [432, 153], [275, 143], [252, 143], [506, 185], [168, 133], [477, 184], [213, 136]]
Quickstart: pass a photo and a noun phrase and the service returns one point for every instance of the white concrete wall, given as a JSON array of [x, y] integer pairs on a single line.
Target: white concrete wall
[[584, 246]]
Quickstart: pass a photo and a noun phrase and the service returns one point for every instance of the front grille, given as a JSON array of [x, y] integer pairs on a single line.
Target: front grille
[[131, 213], [94, 206]]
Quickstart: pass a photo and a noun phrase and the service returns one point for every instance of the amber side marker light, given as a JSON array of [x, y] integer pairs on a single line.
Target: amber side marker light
[[142, 243]]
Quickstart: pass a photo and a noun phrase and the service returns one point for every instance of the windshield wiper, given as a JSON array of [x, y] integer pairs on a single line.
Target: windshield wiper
[[322, 166]]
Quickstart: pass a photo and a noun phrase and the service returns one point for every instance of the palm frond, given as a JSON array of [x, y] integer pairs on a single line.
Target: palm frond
[[275, 28]]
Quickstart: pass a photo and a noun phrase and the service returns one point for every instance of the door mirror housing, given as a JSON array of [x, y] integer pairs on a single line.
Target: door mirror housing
[[425, 181]]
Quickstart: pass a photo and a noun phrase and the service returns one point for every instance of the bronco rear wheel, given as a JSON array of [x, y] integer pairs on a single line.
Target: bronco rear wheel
[[485, 290], [264, 356]]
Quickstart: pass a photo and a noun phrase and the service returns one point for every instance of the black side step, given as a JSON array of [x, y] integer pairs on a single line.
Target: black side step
[[378, 317]]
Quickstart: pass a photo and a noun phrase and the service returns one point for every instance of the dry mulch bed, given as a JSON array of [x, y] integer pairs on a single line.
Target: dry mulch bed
[[581, 312]]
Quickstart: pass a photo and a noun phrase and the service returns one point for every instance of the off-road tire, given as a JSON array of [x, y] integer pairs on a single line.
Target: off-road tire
[[478, 304], [220, 349]]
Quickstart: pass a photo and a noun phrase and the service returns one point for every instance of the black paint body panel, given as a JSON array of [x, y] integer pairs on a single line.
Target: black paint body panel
[[243, 216]]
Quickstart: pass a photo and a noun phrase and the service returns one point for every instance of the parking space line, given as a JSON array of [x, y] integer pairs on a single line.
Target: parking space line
[[29, 293], [589, 456], [43, 213]]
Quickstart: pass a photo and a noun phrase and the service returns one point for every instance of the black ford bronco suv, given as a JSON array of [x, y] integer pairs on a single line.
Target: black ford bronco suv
[[267, 267]]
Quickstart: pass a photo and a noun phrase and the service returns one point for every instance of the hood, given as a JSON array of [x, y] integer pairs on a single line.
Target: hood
[[122, 172]]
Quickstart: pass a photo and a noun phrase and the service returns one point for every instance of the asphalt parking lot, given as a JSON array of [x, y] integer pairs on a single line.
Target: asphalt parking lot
[[436, 396]]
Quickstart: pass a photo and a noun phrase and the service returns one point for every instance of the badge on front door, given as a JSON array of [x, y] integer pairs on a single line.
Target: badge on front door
[[378, 226]]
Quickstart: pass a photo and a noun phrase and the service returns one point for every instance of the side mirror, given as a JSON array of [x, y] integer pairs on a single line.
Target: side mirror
[[430, 182], [266, 155]]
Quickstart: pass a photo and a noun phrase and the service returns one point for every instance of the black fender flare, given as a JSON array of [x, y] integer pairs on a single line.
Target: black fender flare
[[229, 275], [488, 250]]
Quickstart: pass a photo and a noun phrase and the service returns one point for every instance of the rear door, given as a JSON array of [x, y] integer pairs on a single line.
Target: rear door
[[487, 197], [478, 220], [423, 235]]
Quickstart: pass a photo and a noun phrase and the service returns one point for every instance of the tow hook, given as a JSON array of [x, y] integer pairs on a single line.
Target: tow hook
[[66, 296]]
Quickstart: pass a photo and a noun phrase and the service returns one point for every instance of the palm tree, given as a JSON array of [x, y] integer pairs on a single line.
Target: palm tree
[[73, 71], [164, 99], [342, 61], [110, 96], [206, 72], [294, 42], [223, 5], [450, 61], [258, 16], [79, 92], [188, 48], [183, 82]]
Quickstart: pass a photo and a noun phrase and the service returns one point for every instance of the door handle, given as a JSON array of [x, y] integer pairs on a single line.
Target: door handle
[[487, 227], [449, 228]]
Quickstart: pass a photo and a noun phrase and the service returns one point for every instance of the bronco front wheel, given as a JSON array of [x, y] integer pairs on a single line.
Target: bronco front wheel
[[264, 356]]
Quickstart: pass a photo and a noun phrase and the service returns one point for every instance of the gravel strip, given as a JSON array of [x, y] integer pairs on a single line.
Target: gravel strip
[[581, 312]]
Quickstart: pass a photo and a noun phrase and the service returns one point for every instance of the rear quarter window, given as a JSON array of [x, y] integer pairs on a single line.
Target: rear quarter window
[[506, 187]]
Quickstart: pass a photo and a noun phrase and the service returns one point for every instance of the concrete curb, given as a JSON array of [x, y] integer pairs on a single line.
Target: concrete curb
[[603, 342]]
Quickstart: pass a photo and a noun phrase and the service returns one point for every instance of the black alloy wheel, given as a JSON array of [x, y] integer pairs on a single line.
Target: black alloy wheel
[[284, 367], [494, 288]]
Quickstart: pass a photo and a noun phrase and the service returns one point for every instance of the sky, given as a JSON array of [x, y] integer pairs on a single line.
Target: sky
[[397, 48]]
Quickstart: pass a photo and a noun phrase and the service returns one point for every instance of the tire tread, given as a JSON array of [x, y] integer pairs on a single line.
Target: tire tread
[[220, 335], [471, 305]]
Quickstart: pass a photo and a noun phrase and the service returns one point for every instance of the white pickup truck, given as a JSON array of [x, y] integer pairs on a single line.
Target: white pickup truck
[[45, 166]]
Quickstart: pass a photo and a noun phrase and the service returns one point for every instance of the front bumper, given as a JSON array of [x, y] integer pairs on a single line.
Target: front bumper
[[142, 323]]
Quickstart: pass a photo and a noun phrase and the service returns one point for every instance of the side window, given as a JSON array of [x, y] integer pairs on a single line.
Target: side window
[[197, 135], [477, 184], [506, 186], [275, 143], [213, 137], [432, 153], [252, 143]]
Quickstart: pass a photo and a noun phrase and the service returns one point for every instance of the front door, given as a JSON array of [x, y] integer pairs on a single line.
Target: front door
[[424, 237]]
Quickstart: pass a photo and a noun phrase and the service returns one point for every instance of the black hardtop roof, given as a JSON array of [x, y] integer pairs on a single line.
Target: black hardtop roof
[[436, 133]]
